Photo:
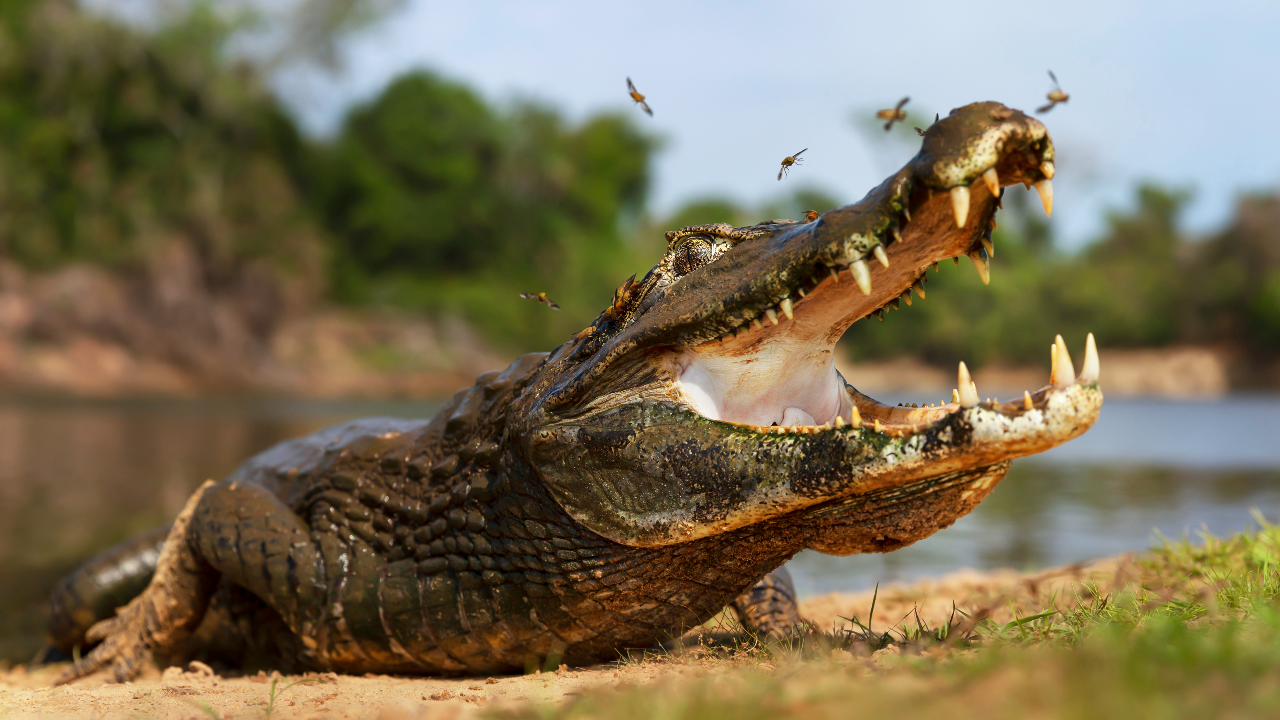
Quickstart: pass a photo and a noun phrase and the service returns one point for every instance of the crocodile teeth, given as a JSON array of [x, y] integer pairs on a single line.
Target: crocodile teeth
[[855, 418], [919, 288], [1046, 167], [907, 297], [897, 236], [955, 395], [839, 421], [1045, 188], [1026, 400], [983, 265], [877, 426], [861, 275], [967, 395], [960, 204], [880, 254], [990, 246], [835, 276], [992, 180], [772, 315], [1089, 372], [756, 324], [785, 306], [1066, 372]]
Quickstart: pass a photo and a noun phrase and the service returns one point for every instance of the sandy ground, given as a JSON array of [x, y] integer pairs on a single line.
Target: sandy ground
[[199, 693]]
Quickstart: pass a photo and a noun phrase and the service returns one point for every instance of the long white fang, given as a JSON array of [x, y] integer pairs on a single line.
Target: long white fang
[[968, 393], [1046, 167], [861, 275], [785, 305], [960, 204], [881, 255], [992, 180], [1089, 373], [1067, 376], [1045, 188], [772, 315], [983, 265]]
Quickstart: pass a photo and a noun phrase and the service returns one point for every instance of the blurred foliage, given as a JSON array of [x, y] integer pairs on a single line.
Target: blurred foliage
[[435, 200], [116, 141], [114, 144]]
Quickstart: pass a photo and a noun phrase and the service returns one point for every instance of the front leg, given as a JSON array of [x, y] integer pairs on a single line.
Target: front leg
[[163, 616], [769, 609], [230, 531]]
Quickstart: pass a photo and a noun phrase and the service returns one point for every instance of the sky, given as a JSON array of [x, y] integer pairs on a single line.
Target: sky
[[1181, 93]]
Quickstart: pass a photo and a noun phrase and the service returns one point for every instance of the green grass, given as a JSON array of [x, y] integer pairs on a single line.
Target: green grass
[[1187, 630]]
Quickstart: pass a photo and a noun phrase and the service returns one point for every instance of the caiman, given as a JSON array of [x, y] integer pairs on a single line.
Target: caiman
[[661, 465]]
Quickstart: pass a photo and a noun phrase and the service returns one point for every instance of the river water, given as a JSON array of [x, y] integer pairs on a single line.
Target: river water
[[77, 476]]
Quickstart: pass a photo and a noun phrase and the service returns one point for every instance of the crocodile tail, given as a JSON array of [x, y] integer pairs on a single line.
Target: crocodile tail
[[95, 589]]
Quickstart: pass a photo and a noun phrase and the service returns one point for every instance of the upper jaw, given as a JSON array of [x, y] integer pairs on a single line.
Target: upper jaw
[[912, 217]]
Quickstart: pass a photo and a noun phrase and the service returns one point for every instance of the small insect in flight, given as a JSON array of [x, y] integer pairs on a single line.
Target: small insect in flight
[[542, 298], [788, 161], [893, 115], [1056, 95], [635, 95]]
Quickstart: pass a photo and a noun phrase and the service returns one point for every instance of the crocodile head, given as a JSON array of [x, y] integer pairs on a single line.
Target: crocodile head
[[706, 399]]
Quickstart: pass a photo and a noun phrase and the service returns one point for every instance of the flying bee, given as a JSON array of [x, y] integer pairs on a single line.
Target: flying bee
[[635, 95], [788, 161], [893, 115], [810, 215], [541, 298], [1056, 95]]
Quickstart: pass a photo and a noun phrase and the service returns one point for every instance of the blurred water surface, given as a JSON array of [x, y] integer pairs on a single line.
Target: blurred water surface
[[78, 476]]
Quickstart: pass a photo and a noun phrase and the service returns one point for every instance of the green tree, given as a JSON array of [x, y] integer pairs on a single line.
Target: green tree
[[439, 203]]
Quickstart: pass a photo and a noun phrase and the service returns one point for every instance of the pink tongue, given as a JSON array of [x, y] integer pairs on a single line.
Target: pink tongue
[[795, 416]]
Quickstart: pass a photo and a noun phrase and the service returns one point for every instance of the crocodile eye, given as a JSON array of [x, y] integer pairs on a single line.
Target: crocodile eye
[[691, 255]]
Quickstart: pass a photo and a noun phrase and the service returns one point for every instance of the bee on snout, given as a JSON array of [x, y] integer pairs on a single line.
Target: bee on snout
[[893, 115], [810, 215], [540, 298], [635, 95], [788, 161], [1056, 95]]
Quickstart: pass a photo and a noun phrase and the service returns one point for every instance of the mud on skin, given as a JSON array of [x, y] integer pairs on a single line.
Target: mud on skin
[[626, 486]]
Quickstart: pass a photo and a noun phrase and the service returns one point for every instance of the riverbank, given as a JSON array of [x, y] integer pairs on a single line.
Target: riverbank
[[1181, 631]]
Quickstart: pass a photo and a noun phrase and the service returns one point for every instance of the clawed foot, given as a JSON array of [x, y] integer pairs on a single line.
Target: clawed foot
[[159, 619], [123, 646]]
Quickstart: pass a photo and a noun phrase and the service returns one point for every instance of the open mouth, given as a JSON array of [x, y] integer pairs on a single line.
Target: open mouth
[[773, 370]]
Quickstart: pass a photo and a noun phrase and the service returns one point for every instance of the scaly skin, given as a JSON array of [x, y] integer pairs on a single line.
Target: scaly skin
[[590, 500]]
